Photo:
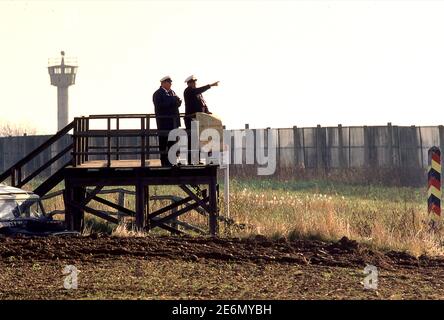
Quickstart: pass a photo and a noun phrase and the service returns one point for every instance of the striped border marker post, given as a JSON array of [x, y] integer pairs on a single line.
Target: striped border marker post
[[434, 184]]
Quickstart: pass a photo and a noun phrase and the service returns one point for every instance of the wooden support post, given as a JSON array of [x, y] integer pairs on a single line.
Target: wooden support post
[[19, 176], [67, 198], [74, 216], [146, 192], [13, 176], [140, 206], [213, 225], [78, 215]]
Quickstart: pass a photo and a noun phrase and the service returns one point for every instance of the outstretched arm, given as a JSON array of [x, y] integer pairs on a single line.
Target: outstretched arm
[[200, 89], [205, 88]]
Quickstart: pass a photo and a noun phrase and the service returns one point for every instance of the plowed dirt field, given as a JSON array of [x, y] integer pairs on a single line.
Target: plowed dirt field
[[205, 268]]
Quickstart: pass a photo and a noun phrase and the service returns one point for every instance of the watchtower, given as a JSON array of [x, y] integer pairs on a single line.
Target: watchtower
[[62, 76]]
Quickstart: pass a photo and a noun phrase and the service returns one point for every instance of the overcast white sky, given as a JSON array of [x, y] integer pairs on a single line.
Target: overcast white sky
[[279, 63]]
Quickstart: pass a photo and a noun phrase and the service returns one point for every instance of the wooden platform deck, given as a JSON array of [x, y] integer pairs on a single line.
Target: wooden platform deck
[[134, 163]]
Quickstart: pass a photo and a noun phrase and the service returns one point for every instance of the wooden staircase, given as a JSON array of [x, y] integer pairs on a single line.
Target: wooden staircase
[[16, 175]]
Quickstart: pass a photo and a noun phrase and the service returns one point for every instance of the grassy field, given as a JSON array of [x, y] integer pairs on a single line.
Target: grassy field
[[384, 217]]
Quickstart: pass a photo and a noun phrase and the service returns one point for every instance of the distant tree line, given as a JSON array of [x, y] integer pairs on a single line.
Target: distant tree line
[[10, 129]]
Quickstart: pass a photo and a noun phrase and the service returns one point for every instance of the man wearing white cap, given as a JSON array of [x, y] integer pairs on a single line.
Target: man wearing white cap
[[166, 106], [194, 102]]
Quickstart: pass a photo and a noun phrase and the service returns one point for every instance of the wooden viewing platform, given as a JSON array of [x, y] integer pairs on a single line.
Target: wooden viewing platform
[[112, 163]]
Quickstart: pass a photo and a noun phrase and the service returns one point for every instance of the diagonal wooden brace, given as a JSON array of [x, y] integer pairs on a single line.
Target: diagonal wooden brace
[[201, 202], [91, 195], [169, 207], [95, 212], [175, 214], [114, 205]]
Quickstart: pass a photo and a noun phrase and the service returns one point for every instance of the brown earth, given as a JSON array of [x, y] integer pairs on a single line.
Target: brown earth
[[205, 268]]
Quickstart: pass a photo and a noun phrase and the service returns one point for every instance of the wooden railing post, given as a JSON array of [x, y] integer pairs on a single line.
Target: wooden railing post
[[108, 142], [81, 140], [118, 138], [142, 142], [75, 143], [87, 140], [148, 148]]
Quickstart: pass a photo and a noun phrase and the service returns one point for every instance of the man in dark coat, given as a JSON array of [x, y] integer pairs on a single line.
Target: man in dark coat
[[194, 102], [166, 106]]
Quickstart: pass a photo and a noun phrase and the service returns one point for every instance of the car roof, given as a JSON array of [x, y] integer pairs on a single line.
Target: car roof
[[12, 193]]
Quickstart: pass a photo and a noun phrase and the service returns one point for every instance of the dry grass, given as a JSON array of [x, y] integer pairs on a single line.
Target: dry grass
[[384, 217], [123, 230]]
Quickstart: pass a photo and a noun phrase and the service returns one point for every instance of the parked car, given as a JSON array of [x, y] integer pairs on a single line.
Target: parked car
[[22, 212]]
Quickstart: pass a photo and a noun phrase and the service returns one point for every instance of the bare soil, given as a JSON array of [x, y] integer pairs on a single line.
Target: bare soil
[[206, 268]]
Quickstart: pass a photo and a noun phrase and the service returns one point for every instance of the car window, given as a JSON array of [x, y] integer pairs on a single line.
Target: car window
[[30, 209], [9, 209], [13, 209]]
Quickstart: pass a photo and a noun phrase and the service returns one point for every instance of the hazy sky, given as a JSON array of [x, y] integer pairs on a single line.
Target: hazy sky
[[279, 63]]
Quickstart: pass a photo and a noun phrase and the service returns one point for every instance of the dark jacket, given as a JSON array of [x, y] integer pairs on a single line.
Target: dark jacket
[[194, 102], [166, 104]]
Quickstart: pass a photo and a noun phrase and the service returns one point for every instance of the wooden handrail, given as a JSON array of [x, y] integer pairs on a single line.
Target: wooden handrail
[[44, 166], [122, 133], [133, 116]]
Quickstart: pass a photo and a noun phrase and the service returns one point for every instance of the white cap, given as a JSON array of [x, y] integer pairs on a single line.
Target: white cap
[[192, 77], [165, 78]]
